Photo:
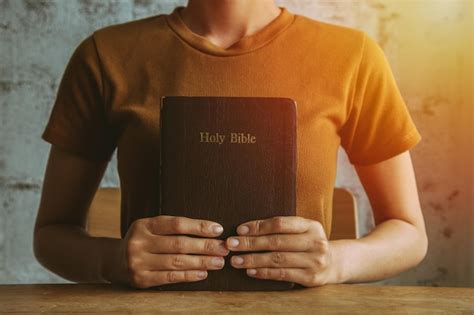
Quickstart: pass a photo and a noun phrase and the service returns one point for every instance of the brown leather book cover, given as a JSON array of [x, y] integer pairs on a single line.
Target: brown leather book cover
[[229, 160]]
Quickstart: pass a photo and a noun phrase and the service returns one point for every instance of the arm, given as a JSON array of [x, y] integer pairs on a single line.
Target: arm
[[399, 240], [61, 243], [152, 252], [298, 250]]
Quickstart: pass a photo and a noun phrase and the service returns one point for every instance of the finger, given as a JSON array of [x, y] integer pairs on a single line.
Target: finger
[[159, 244], [154, 278], [274, 242], [273, 260], [275, 225], [168, 225], [153, 262], [298, 275]]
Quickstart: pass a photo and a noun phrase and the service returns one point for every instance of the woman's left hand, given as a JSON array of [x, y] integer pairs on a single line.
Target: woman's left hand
[[299, 250]]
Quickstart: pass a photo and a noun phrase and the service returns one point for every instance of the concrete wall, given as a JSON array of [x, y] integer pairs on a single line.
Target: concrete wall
[[428, 43]]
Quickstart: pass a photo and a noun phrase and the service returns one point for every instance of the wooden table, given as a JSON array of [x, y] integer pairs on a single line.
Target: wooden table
[[343, 299]]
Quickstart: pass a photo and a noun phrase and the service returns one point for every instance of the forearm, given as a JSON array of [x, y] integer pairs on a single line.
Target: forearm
[[73, 254], [392, 247]]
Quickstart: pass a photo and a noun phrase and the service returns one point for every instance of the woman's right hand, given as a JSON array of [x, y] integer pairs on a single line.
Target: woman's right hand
[[151, 253]]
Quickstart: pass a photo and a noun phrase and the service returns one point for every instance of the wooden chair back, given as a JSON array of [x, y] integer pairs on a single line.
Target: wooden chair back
[[103, 219], [344, 215]]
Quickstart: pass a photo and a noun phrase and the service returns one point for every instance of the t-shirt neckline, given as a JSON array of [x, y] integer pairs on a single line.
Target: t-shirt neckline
[[245, 45]]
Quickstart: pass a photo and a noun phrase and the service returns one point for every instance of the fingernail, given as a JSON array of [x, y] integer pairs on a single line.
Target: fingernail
[[202, 274], [243, 229], [238, 260], [217, 229], [251, 272], [223, 249], [218, 262], [233, 242]]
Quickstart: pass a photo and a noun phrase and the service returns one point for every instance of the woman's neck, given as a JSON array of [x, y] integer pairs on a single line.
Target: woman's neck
[[224, 22]]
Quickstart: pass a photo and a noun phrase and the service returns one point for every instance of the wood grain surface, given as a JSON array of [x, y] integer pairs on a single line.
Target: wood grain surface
[[342, 299]]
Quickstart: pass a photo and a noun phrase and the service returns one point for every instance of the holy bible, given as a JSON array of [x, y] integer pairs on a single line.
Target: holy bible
[[230, 160]]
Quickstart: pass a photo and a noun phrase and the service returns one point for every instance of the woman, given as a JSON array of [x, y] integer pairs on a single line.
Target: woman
[[346, 94]]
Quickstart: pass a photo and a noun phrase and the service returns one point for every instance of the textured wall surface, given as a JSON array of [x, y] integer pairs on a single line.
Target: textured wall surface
[[428, 43]]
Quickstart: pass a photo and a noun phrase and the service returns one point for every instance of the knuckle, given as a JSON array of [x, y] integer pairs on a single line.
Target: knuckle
[[308, 243], [324, 246], [318, 226], [248, 242], [178, 245], [177, 225], [203, 227], [315, 280], [250, 260], [209, 245], [282, 274], [148, 224], [138, 223], [153, 224], [278, 223], [321, 245], [319, 261], [275, 242], [134, 245], [186, 276], [177, 262], [137, 281], [314, 243], [134, 231], [133, 264], [277, 258], [171, 276]]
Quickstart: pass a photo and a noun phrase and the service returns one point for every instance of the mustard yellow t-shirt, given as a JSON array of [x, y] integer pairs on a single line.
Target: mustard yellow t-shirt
[[109, 98]]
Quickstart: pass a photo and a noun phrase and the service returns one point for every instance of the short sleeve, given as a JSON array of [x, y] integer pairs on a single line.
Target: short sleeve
[[78, 122], [378, 124]]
